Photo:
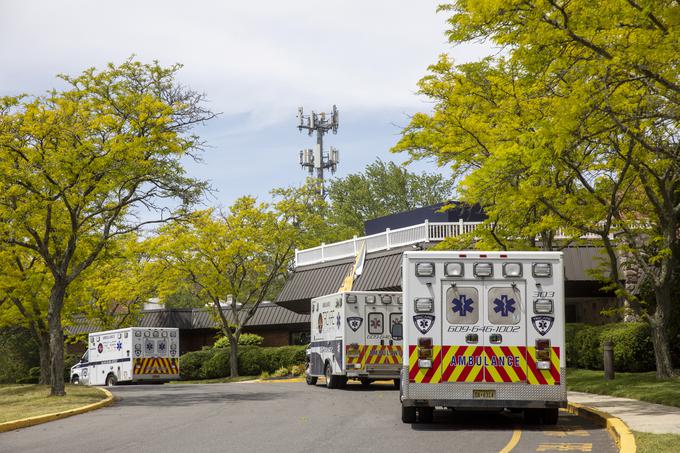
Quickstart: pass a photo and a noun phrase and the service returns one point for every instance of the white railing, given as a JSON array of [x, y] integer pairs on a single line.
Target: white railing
[[424, 232]]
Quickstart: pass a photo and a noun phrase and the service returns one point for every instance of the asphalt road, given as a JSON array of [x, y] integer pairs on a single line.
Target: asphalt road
[[278, 417]]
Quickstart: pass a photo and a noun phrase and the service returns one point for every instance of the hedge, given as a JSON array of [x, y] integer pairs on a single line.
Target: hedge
[[633, 350], [252, 360]]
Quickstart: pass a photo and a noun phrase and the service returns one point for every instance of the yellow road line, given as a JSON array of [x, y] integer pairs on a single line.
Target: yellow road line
[[514, 440]]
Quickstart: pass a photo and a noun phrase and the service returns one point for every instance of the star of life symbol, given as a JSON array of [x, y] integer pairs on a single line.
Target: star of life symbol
[[354, 322], [462, 305], [149, 346], [376, 324], [338, 320], [423, 322], [504, 305], [542, 323], [161, 346], [119, 345]]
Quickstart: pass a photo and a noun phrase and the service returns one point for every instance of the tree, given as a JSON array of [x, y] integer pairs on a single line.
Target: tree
[[96, 160], [24, 286], [382, 189], [594, 126], [113, 292], [242, 255]]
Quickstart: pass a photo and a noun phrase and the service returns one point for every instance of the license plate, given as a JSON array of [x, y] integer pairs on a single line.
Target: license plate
[[484, 394]]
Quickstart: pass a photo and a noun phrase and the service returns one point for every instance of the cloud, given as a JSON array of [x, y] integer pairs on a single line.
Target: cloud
[[256, 61]]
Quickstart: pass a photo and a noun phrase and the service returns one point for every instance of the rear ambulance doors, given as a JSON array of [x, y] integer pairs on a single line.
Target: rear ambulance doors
[[483, 323], [384, 331]]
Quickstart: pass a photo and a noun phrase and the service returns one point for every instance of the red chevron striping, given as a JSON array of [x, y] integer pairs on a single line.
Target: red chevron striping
[[433, 370]]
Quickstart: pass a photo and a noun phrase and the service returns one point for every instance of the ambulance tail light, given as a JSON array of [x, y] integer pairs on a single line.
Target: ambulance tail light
[[543, 354], [425, 352], [424, 305], [353, 350]]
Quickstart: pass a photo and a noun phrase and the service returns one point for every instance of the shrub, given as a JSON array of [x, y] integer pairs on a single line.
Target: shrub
[[252, 360], [217, 365], [247, 339], [190, 364], [282, 372], [633, 349]]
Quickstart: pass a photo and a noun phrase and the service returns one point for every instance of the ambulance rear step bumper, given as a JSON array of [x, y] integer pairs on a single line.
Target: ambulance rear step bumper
[[479, 403], [381, 374]]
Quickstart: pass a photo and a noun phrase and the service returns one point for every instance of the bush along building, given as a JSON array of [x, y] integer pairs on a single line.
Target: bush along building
[[321, 270], [198, 327]]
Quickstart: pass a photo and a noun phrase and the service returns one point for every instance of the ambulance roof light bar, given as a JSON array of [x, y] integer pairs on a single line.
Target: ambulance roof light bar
[[351, 299], [512, 269], [541, 270], [454, 270]]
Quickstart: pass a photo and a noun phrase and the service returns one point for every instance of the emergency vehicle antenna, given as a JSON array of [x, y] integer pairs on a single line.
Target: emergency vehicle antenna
[[312, 159]]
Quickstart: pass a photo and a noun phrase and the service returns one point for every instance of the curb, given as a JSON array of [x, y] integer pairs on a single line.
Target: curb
[[617, 429], [30, 421]]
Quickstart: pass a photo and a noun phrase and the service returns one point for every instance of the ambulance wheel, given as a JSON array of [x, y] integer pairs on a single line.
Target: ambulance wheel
[[111, 380], [397, 384], [532, 416], [311, 380], [331, 380], [550, 416], [342, 382], [75, 379], [365, 382], [408, 414], [425, 414]]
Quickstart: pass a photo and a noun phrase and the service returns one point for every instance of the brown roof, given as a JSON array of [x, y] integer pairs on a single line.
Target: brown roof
[[268, 315], [382, 272]]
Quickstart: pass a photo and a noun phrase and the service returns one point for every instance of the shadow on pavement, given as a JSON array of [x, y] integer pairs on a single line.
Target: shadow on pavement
[[172, 399]]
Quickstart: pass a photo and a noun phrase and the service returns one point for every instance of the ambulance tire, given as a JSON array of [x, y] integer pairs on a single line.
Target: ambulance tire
[[342, 382], [331, 379], [75, 379], [311, 380], [550, 416], [408, 414], [532, 416], [365, 382], [425, 414], [396, 383], [111, 380]]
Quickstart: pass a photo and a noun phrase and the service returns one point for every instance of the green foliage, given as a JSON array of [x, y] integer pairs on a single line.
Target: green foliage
[[18, 354], [382, 189], [633, 350], [250, 339], [252, 361]]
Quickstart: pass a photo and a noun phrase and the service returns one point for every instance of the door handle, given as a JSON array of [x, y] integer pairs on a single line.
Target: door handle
[[382, 342], [495, 338], [472, 338]]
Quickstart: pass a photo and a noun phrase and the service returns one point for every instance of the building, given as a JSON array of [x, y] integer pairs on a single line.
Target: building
[[321, 270], [198, 327]]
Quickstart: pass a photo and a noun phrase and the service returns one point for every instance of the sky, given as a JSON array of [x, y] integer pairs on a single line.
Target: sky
[[257, 62]]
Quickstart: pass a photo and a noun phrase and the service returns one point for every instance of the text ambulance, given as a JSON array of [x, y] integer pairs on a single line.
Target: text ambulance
[[483, 330], [355, 335], [129, 355]]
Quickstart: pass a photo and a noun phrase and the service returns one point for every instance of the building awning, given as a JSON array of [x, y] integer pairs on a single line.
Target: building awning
[[382, 272]]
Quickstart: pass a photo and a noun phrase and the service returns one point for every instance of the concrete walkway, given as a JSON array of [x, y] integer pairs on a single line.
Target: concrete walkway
[[638, 415]]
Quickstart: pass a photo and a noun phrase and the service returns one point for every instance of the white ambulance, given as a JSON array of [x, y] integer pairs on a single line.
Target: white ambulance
[[483, 330], [355, 335], [133, 354]]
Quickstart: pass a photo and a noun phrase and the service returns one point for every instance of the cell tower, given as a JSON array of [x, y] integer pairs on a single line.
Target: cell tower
[[312, 159]]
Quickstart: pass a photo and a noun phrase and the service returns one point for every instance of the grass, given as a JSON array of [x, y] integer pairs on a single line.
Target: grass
[[21, 401], [639, 386], [656, 443], [217, 380]]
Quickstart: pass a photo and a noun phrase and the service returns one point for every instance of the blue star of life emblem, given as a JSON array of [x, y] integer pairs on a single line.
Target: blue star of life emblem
[[504, 306], [462, 305], [119, 345]]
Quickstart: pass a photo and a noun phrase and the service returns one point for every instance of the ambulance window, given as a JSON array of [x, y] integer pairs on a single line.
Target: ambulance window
[[462, 305], [505, 305], [396, 328], [375, 323]]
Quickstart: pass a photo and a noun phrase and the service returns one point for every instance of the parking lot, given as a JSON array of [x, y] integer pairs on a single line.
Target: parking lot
[[291, 417]]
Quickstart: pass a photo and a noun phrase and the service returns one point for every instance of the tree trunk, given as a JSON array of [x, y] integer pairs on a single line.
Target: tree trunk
[[233, 356], [659, 325], [43, 339], [56, 338]]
